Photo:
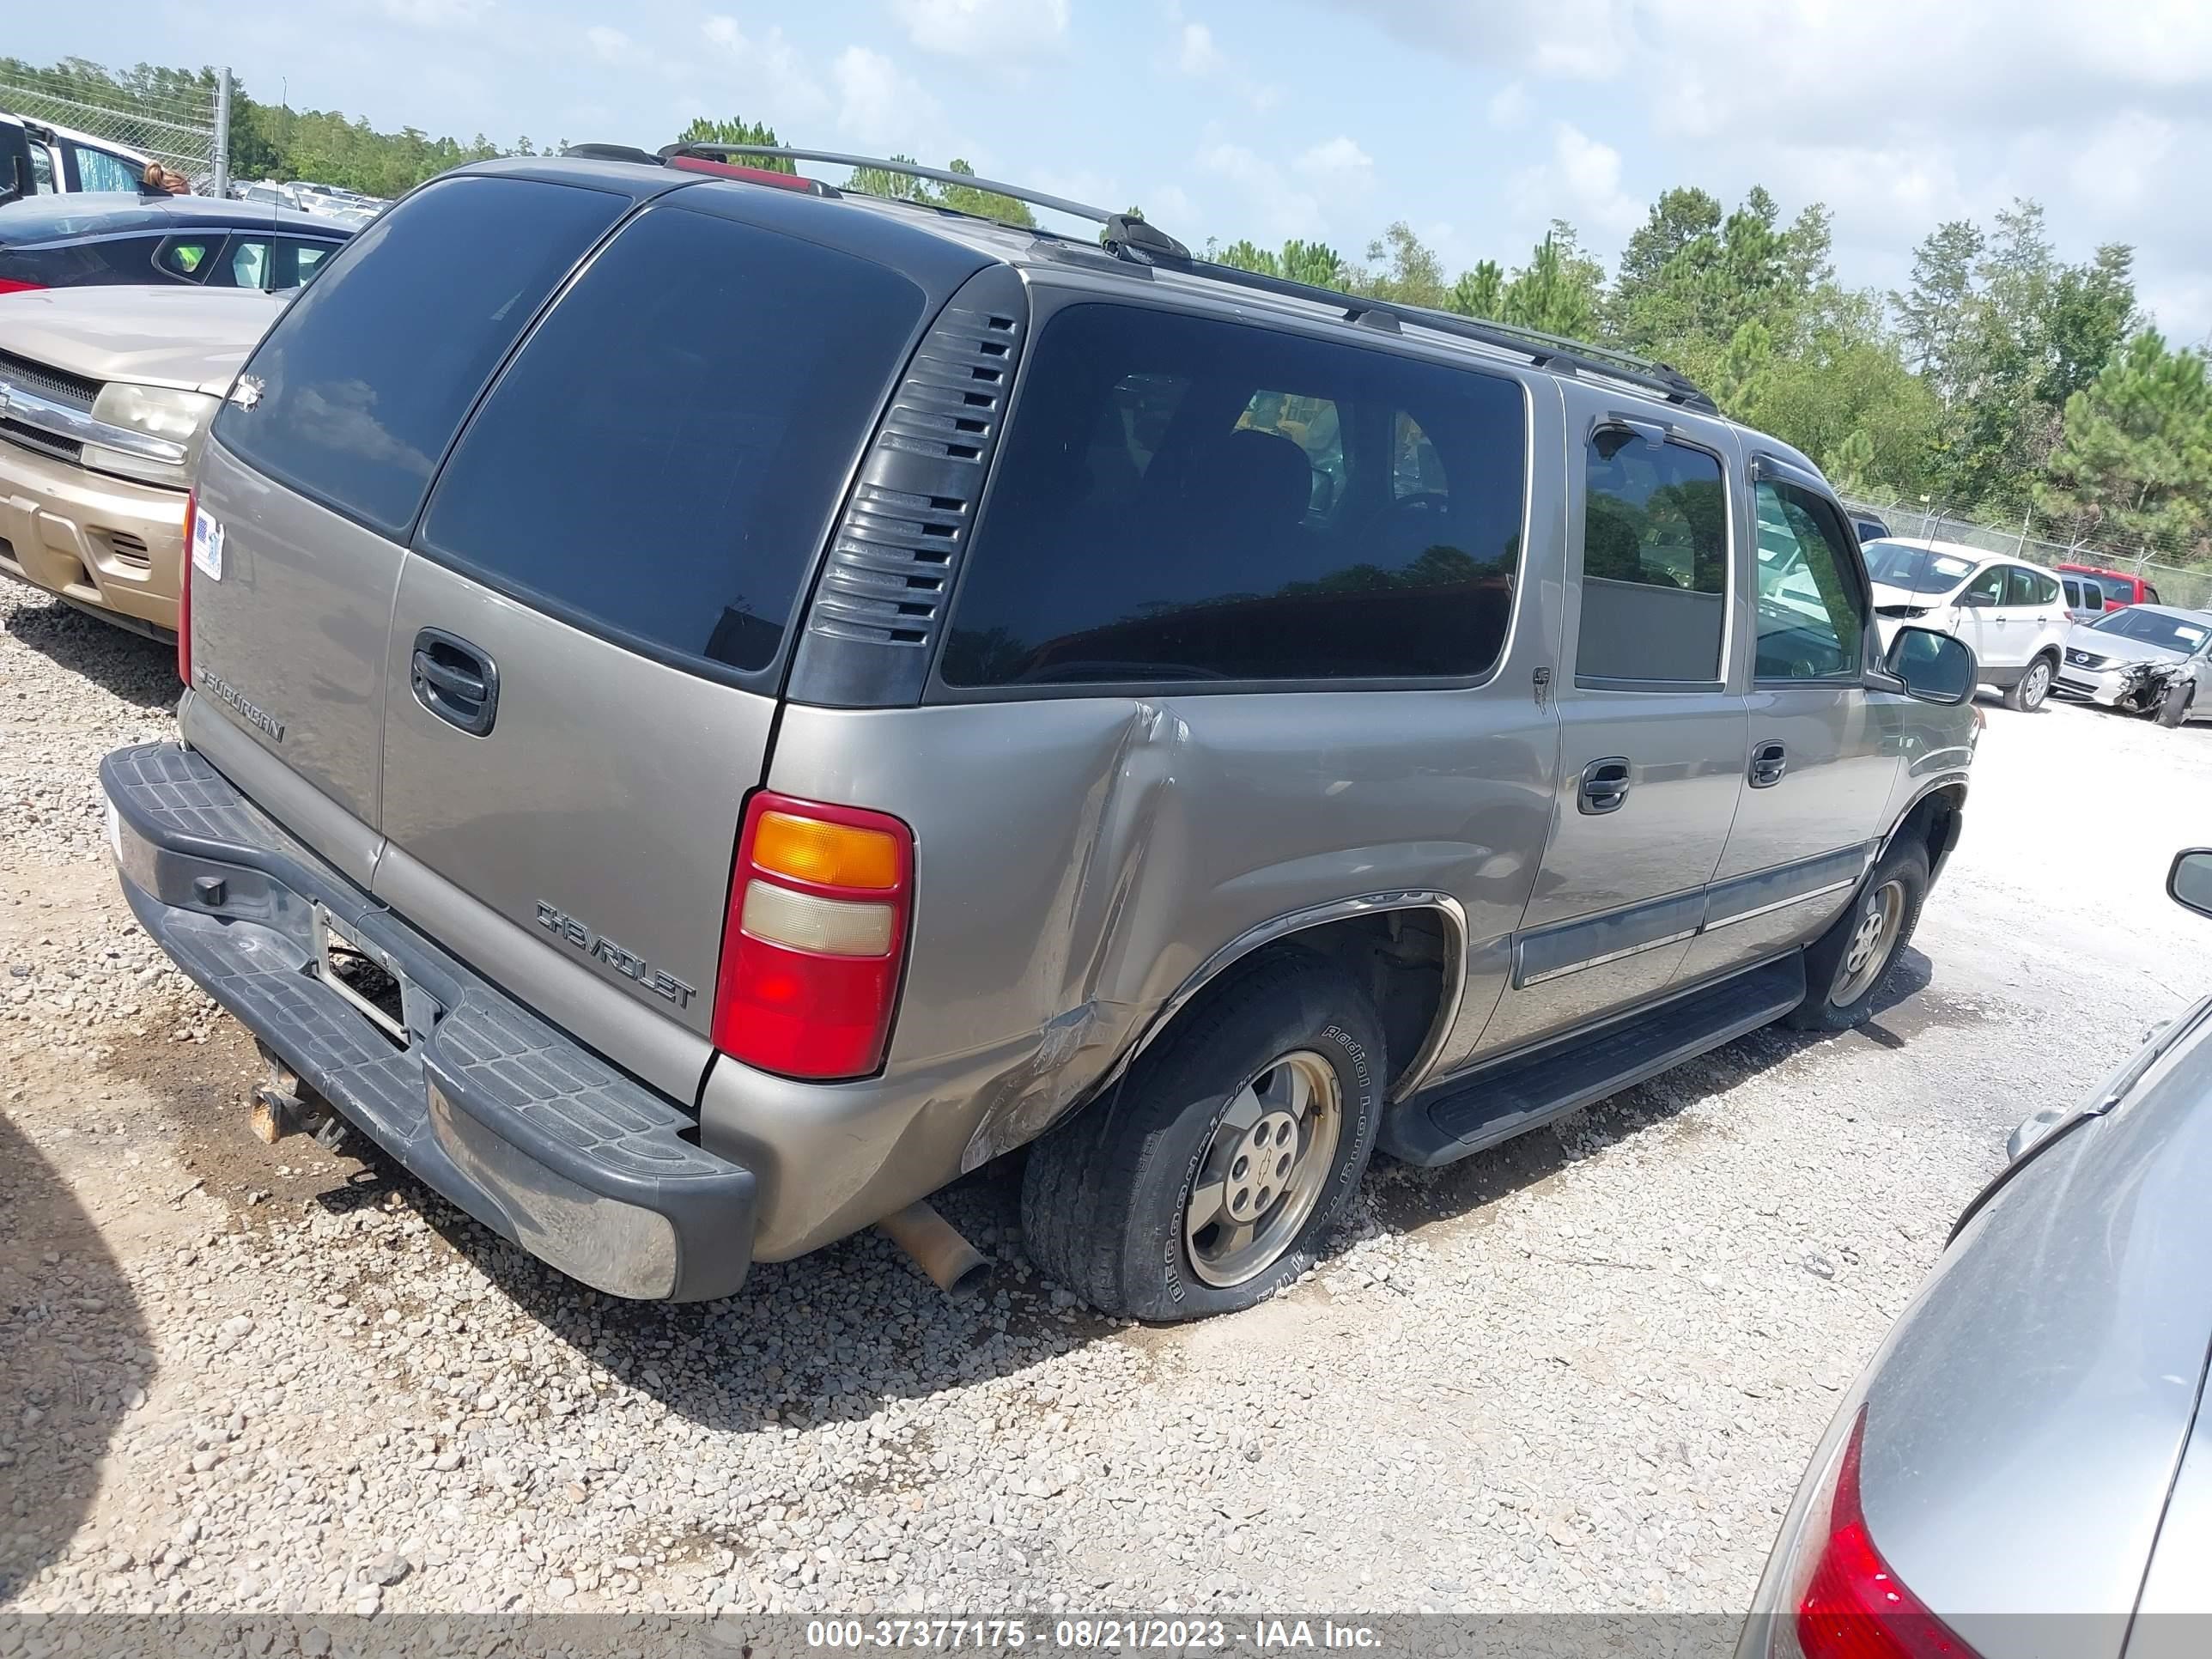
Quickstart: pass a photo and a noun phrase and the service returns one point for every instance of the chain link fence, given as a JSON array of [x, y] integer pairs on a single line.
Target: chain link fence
[[179, 122], [2188, 586]]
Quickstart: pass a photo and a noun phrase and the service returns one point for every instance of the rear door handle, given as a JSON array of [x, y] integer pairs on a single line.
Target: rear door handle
[[1769, 760], [1604, 786], [455, 680]]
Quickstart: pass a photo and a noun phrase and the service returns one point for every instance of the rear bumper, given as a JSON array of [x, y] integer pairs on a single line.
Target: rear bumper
[[104, 545], [510, 1119]]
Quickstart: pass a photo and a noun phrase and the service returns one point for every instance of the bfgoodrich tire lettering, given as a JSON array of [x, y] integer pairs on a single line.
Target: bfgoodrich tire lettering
[[1108, 1198]]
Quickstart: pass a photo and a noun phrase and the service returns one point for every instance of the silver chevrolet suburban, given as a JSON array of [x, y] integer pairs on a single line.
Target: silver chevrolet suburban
[[717, 704]]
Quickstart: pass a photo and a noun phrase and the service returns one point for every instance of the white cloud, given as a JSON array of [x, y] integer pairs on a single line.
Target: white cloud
[[608, 46], [2121, 164], [878, 103], [768, 76], [1198, 55], [1581, 183], [1340, 167], [1509, 106], [1001, 29], [1267, 205], [433, 13]]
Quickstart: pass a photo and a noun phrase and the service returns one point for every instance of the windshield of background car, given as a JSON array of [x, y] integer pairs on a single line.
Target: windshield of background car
[[2172, 633], [1916, 570]]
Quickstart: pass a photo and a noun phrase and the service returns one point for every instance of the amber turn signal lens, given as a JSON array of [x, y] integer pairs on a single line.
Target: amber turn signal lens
[[828, 854]]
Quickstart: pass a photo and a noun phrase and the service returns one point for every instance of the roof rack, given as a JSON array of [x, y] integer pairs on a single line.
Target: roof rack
[[939, 176], [1545, 350], [1132, 239]]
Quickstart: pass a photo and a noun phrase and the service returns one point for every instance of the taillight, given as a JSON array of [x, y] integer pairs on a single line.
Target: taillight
[[1849, 1603], [185, 594], [10, 285], [812, 947]]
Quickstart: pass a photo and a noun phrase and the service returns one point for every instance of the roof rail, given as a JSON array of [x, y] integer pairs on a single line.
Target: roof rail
[[1134, 240], [938, 175], [1545, 350]]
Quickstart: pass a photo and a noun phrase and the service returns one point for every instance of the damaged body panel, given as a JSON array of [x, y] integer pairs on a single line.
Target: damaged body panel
[[1086, 868]]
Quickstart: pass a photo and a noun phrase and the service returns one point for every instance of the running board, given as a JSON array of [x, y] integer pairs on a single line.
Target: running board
[[1503, 1100]]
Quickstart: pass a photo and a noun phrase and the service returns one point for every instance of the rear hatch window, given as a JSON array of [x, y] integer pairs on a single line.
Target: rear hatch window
[[367, 377], [659, 465]]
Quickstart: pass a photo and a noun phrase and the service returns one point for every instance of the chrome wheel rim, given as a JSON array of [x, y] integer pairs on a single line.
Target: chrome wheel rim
[[1267, 1159], [2038, 683], [1867, 954]]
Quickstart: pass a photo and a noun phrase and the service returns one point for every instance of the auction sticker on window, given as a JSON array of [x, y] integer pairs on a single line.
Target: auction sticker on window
[[207, 547]]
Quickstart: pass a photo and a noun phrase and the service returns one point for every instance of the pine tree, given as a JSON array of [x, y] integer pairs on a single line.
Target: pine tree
[[2137, 453]]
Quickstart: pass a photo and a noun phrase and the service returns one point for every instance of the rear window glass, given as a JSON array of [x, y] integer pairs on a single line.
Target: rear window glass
[[661, 461], [1182, 500], [1655, 562], [366, 377], [1916, 570]]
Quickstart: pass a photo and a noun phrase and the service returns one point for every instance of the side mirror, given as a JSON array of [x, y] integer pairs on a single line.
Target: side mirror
[[1973, 599], [2188, 884], [1934, 668]]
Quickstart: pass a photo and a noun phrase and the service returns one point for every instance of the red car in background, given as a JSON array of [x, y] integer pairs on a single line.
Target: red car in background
[[2122, 588]]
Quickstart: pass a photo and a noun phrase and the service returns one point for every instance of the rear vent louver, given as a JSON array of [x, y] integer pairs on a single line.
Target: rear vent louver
[[880, 601]]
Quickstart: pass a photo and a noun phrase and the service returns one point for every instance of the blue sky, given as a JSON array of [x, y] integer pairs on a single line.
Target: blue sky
[[1476, 122]]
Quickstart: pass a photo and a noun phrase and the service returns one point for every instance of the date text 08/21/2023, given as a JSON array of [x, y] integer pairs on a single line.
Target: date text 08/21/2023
[[1104, 1634]]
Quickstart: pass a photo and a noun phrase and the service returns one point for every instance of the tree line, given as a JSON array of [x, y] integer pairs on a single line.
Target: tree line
[[2004, 383]]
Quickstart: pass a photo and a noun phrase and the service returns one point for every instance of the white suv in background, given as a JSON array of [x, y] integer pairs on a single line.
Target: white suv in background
[[2014, 615]]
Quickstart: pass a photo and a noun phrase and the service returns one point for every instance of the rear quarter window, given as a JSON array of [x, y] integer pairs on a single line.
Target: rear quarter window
[[660, 462], [366, 378], [1184, 500]]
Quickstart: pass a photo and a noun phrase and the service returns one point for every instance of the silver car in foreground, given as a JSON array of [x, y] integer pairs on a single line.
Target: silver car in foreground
[[2029, 1441]]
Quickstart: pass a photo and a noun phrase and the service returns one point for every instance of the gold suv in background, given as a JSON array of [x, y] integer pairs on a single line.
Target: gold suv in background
[[105, 395]]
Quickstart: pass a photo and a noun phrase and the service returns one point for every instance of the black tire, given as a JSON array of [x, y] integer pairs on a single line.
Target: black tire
[[1105, 1195], [2173, 707], [2027, 693], [1829, 972]]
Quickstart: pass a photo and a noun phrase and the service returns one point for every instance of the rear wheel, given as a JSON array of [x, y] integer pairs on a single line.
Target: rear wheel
[[1206, 1179], [2026, 694], [1847, 964], [2173, 707]]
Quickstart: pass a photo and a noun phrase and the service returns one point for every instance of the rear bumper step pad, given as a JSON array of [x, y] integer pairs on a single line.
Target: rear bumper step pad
[[518, 1124]]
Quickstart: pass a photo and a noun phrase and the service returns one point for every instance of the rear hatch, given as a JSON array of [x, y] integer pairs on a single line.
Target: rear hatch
[[587, 632]]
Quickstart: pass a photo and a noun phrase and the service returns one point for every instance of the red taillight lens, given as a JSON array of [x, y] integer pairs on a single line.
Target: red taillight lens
[[184, 595], [9, 285], [815, 939], [1850, 1605]]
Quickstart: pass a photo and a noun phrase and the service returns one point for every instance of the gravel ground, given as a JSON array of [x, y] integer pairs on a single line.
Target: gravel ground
[[1580, 1373]]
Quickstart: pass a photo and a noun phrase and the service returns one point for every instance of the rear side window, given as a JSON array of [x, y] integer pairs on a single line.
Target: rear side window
[[98, 170], [1655, 562], [2021, 588], [1187, 500], [366, 377], [661, 463], [189, 257]]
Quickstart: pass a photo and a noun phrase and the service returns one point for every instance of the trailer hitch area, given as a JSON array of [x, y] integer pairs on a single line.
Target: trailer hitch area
[[278, 1105]]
